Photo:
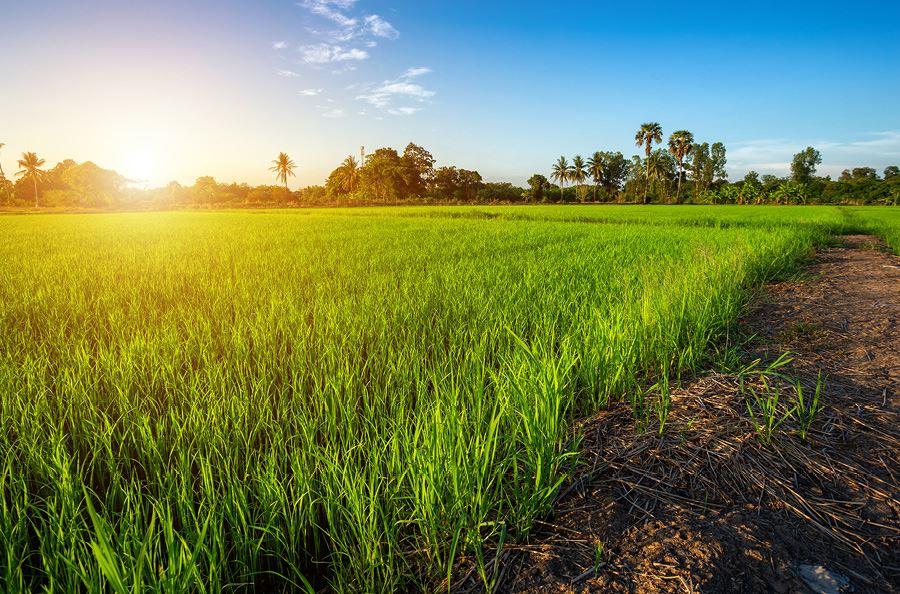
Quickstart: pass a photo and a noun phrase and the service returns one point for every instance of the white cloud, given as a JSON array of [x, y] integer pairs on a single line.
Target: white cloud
[[331, 10], [279, 45], [334, 113], [310, 92], [349, 26], [379, 27], [414, 72], [385, 95], [287, 73], [324, 53], [774, 155], [404, 110]]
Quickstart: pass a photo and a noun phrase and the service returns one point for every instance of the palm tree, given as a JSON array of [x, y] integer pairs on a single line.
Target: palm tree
[[680, 143], [649, 133], [658, 166], [348, 175], [578, 174], [1, 164], [595, 170], [561, 173], [283, 167], [31, 167]]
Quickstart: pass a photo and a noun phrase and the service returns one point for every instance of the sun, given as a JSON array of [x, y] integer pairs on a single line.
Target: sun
[[141, 166]]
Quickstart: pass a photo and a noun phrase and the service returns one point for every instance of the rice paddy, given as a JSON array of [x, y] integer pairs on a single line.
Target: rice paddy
[[342, 399]]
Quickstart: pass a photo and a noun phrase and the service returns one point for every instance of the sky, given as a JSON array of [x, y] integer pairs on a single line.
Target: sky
[[164, 90]]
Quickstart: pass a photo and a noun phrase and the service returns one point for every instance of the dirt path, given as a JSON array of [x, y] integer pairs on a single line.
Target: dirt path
[[708, 506]]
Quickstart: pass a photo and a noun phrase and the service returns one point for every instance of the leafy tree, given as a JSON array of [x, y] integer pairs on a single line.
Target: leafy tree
[[91, 185], [419, 166], [700, 167], [283, 167], [384, 175], [680, 144], [615, 170], [891, 171], [205, 190], [717, 157], [500, 192], [446, 182], [803, 165], [864, 173], [344, 179], [537, 183], [469, 183], [31, 169], [646, 136], [577, 175], [561, 174]]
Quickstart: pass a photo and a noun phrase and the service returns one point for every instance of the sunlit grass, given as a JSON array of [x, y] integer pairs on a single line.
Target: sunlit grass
[[204, 401]]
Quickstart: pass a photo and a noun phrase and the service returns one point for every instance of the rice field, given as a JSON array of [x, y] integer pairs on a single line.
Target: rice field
[[341, 399]]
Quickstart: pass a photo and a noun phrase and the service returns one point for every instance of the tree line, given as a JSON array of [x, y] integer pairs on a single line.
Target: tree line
[[688, 171], [682, 171]]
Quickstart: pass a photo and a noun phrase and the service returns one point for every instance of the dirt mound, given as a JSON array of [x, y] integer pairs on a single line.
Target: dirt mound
[[718, 504]]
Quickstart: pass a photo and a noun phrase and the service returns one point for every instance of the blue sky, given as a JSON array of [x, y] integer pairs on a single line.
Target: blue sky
[[173, 90]]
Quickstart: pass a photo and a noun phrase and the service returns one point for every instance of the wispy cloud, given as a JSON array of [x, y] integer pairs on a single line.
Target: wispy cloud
[[349, 26], [404, 110], [385, 95], [325, 53], [287, 73], [414, 72], [333, 113], [279, 45], [310, 92], [379, 27], [774, 155]]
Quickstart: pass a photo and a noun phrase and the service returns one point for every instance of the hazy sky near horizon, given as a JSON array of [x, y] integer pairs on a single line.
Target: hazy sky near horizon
[[168, 89]]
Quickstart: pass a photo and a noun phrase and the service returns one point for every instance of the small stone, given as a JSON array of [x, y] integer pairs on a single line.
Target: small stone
[[823, 580]]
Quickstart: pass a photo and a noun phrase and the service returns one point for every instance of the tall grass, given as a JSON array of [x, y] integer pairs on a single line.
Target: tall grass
[[285, 401]]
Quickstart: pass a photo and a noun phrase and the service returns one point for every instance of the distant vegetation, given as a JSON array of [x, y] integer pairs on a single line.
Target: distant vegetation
[[683, 171]]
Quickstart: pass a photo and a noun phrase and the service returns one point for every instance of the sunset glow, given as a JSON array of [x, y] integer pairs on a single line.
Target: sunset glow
[[222, 88]]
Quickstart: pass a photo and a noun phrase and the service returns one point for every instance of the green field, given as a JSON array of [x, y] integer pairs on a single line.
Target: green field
[[200, 401]]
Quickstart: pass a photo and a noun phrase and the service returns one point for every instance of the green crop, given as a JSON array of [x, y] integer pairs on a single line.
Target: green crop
[[203, 402]]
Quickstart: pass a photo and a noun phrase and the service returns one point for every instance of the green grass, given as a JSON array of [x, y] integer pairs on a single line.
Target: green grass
[[200, 402]]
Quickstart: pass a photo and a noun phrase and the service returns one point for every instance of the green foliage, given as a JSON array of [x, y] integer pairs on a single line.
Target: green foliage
[[803, 165], [808, 408]]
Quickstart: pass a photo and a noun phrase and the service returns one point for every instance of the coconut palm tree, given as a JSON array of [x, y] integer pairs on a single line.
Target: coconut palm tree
[[283, 167], [31, 167], [578, 174], [659, 166], [650, 133], [561, 173], [1, 163], [680, 143], [347, 175], [595, 170]]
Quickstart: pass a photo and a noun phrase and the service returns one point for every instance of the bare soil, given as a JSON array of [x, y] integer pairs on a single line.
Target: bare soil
[[707, 505]]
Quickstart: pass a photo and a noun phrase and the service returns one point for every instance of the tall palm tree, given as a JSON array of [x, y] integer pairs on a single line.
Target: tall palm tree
[[680, 143], [348, 175], [31, 167], [578, 175], [1, 163], [650, 133], [595, 170], [561, 173], [283, 167]]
